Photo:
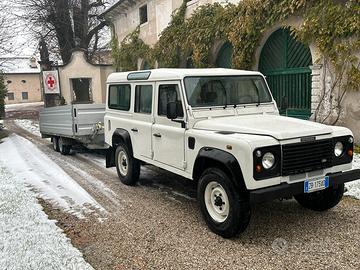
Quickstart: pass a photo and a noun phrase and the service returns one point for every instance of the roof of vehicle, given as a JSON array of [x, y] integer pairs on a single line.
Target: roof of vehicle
[[176, 74]]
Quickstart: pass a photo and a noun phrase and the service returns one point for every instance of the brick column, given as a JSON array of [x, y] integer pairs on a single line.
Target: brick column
[[316, 87]]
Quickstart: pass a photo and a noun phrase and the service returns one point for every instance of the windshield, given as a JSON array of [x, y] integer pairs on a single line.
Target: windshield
[[226, 90]]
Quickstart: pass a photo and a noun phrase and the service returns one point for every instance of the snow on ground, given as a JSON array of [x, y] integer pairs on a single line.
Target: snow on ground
[[28, 239], [14, 107], [354, 187], [29, 126], [29, 164]]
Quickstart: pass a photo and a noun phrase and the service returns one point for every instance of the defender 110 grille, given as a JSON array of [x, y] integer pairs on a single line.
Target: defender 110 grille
[[306, 156]]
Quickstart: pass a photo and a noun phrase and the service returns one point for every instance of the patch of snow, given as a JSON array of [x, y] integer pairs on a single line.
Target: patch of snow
[[29, 126], [12, 107], [353, 188], [28, 239], [29, 164]]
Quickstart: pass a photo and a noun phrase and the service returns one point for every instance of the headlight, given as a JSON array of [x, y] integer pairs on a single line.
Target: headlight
[[268, 160], [338, 149]]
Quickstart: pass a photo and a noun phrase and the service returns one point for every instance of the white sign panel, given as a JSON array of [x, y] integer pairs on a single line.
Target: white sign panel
[[51, 82]]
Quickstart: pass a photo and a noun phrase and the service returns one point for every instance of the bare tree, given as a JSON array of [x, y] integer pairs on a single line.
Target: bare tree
[[66, 24], [6, 36], [7, 30]]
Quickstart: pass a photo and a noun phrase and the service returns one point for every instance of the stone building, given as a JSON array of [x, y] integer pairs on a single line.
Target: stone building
[[290, 67], [22, 79]]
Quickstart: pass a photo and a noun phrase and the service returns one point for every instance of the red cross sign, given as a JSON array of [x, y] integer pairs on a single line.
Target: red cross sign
[[51, 82]]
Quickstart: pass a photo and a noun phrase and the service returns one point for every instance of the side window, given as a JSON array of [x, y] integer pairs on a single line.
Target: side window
[[169, 93], [119, 97], [24, 95], [10, 96], [143, 99], [143, 14]]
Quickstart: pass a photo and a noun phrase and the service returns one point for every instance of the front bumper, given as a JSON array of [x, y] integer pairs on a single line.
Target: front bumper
[[286, 190]]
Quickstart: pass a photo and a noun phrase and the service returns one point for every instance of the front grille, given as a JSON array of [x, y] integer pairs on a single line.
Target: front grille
[[306, 157]]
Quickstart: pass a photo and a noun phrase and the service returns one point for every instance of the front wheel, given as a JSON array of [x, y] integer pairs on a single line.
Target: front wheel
[[224, 211], [128, 168], [321, 200]]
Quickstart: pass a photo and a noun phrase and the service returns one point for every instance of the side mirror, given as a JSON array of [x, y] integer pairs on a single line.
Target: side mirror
[[171, 112]]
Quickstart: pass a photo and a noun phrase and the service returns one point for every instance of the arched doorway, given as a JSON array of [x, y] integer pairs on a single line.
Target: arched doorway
[[224, 56], [145, 65], [286, 64]]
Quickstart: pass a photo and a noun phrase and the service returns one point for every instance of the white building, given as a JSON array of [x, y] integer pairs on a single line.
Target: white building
[[277, 56]]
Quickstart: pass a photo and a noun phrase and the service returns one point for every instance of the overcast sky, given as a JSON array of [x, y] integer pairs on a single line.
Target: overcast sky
[[24, 41]]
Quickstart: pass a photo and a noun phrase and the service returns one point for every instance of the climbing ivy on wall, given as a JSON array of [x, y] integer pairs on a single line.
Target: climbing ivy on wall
[[335, 30], [130, 50], [243, 26]]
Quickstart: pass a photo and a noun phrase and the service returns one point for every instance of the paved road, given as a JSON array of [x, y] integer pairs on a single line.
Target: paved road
[[157, 225]]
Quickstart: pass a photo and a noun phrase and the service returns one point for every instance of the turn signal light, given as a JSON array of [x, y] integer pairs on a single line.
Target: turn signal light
[[258, 168], [350, 153]]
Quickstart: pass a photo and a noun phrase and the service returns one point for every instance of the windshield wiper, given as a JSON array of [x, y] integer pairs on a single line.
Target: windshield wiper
[[224, 90], [258, 94]]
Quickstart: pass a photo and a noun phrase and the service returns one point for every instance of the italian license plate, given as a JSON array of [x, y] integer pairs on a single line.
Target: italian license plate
[[316, 184]]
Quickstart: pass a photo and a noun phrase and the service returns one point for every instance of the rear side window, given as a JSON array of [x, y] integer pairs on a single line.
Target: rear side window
[[143, 99], [119, 97]]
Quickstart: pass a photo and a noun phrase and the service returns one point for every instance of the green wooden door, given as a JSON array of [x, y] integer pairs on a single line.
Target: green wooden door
[[285, 63], [224, 57]]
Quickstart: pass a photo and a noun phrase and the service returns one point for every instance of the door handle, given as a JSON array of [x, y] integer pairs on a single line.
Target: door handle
[[134, 130], [158, 135]]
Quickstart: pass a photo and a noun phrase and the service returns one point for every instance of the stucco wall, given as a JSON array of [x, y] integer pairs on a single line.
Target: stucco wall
[[351, 120], [80, 68], [159, 16], [31, 85]]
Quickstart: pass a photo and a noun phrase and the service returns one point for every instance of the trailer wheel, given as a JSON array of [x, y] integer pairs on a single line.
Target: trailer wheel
[[128, 168], [55, 142], [63, 148]]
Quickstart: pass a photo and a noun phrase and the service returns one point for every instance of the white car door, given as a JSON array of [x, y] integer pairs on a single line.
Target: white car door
[[142, 120], [168, 136]]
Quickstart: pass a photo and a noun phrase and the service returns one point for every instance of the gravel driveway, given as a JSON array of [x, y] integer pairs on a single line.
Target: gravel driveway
[[157, 225]]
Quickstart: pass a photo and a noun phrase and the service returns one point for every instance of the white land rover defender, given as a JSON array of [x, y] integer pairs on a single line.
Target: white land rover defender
[[222, 129]]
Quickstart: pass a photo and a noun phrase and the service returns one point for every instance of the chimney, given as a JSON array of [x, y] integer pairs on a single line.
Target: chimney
[[33, 62]]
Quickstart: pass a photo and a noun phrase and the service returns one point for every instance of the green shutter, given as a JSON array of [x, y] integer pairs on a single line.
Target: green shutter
[[285, 63]]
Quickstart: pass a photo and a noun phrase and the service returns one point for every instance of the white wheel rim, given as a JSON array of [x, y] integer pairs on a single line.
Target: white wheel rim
[[54, 143], [216, 201], [123, 163]]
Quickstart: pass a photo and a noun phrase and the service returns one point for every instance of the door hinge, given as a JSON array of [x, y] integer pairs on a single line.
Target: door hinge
[[184, 164]]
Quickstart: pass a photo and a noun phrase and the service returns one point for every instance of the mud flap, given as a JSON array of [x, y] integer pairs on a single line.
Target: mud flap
[[110, 157]]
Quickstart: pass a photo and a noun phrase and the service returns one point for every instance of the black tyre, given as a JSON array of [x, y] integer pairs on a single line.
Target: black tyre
[[55, 142], [321, 200], [128, 168], [224, 211], [63, 148]]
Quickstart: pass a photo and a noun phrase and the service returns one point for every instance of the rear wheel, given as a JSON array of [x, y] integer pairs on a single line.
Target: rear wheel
[[225, 212], [63, 148], [321, 200], [55, 142], [128, 168]]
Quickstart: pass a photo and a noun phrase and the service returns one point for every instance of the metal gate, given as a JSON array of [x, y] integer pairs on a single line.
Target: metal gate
[[285, 63]]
